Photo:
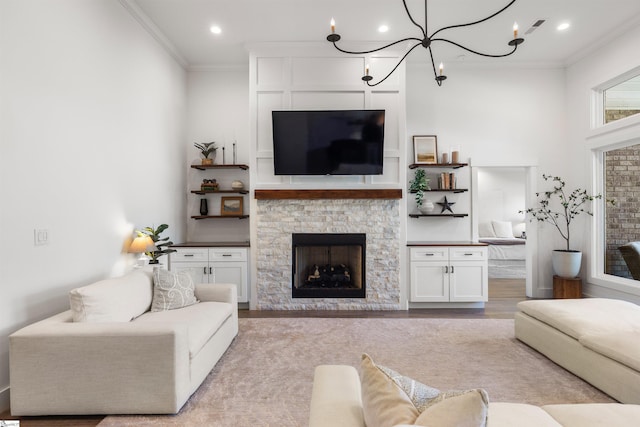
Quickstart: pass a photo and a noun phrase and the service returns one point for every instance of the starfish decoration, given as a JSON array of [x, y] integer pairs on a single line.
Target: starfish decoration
[[446, 205]]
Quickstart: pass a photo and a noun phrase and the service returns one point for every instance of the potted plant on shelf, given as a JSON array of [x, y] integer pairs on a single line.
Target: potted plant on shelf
[[161, 244], [418, 185], [566, 262], [207, 149]]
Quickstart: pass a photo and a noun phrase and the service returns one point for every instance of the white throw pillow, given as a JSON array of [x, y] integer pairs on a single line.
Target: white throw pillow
[[502, 229], [172, 290], [118, 299], [485, 229]]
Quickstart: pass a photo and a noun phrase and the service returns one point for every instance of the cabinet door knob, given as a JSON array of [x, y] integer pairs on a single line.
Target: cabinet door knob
[[468, 254], [452, 269], [429, 254], [204, 270], [226, 254], [446, 268], [210, 270], [188, 255]]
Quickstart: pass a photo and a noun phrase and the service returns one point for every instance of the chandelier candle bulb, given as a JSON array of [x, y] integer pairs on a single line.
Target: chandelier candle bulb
[[515, 30], [441, 68], [333, 26], [366, 70]]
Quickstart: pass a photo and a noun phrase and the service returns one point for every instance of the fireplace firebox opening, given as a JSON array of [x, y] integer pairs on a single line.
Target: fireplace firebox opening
[[328, 265]]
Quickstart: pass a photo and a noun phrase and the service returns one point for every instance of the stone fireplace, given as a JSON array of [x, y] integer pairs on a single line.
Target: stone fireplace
[[328, 265], [281, 215]]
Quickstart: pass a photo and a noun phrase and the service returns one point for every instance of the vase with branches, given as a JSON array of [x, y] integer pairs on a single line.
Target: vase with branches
[[559, 207]]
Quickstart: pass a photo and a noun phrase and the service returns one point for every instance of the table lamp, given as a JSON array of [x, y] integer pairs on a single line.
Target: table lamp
[[140, 245]]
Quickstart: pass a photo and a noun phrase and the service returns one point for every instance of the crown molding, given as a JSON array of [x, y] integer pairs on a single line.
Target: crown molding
[[134, 10], [219, 67]]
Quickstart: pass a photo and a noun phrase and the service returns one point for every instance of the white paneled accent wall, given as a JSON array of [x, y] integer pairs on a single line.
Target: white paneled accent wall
[[321, 78], [317, 77]]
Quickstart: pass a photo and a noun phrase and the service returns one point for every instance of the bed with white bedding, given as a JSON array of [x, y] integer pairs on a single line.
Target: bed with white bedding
[[507, 254], [507, 257]]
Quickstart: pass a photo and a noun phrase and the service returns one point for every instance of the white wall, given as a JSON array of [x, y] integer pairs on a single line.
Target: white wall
[[501, 192], [92, 145], [217, 110], [614, 59], [496, 116]]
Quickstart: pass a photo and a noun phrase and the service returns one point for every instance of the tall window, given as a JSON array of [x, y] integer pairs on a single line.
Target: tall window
[[622, 100], [622, 220]]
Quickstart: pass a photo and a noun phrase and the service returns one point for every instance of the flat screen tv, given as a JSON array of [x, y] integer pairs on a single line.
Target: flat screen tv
[[339, 142]]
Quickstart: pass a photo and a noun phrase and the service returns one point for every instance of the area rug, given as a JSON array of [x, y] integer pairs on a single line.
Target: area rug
[[265, 377]]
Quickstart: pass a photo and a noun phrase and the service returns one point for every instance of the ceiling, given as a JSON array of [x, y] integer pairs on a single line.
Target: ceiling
[[185, 24]]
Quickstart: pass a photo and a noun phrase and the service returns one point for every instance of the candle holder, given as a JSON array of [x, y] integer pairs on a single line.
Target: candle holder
[[235, 162]]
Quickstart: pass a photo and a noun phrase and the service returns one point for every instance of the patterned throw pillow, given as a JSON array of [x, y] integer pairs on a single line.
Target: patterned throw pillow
[[389, 398], [172, 290]]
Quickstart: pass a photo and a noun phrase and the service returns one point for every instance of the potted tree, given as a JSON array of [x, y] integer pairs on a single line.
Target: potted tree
[[566, 207], [418, 185], [161, 244], [207, 149]]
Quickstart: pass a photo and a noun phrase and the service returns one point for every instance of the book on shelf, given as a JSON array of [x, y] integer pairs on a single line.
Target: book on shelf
[[447, 181]]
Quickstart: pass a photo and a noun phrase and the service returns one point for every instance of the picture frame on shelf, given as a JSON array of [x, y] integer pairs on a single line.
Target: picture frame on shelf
[[231, 206], [425, 149]]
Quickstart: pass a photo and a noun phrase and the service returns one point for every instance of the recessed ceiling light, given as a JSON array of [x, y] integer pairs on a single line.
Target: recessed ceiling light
[[215, 29], [383, 28], [563, 26]]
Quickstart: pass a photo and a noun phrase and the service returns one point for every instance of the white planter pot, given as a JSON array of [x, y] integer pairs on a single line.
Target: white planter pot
[[427, 207], [566, 263]]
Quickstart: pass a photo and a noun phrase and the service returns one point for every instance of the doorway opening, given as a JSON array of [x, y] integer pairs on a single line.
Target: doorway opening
[[500, 199]]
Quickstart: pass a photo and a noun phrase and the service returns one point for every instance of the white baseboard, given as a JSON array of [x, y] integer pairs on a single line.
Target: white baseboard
[[4, 399]]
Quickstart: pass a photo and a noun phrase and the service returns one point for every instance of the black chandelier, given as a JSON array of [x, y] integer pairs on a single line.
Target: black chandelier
[[426, 42]]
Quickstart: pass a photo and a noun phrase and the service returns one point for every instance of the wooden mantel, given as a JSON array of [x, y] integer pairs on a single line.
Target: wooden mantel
[[328, 194]]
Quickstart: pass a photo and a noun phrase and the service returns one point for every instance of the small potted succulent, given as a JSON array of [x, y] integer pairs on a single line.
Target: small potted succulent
[[208, 150]]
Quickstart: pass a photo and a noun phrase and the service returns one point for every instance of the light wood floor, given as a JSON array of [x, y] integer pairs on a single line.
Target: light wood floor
[[504, 294]]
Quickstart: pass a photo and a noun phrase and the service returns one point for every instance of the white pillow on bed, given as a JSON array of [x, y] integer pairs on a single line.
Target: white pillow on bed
[[503, 229], [485, 229]]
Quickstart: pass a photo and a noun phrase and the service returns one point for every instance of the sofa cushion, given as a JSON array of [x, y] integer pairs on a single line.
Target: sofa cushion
[[622, 347], [503, 414], [119, 299], [172, 290], [202, 320], [595, 414], [467, 409], [389, 399], [577, 317]]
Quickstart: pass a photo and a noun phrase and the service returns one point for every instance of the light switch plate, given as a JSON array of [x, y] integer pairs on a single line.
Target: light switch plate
[[40, 237]]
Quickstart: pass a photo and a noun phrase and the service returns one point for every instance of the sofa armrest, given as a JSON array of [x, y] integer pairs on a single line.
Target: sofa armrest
[[336, 397], [61, 367], [220, 292]]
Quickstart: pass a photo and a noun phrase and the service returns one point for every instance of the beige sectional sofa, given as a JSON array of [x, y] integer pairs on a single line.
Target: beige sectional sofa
[[597, 339], [111, 355], [337, 402]]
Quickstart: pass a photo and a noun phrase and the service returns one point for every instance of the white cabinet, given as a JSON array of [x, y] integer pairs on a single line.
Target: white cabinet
[[449, 274], [214, 265]]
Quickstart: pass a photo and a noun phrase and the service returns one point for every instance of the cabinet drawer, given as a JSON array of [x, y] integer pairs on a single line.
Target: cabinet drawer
[[227, 254], [433, 253], [188, 254], [468, 253]]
